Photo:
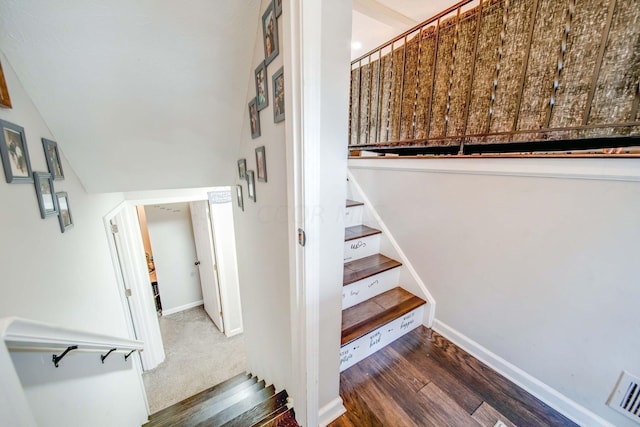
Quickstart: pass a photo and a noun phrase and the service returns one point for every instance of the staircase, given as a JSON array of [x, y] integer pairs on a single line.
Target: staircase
[[375, 309], [241, 401]]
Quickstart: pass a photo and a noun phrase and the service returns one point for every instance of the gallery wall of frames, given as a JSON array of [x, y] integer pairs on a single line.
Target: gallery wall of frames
[[14, 150], [260, 102]]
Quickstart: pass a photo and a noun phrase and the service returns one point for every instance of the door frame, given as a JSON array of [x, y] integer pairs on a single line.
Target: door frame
[[136, 274]]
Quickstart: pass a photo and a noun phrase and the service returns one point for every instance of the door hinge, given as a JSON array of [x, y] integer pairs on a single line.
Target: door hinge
[[127, 292], [302, 237], [114, 228], [215, 267]]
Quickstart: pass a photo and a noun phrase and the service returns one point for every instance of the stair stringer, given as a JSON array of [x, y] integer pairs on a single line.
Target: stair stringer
[[409, 278]]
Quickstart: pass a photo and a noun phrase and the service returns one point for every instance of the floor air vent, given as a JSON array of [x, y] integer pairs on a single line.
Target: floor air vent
[[626, 396]]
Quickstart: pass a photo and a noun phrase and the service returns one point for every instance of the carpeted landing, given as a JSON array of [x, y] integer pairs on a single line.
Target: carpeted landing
[[198, 356]]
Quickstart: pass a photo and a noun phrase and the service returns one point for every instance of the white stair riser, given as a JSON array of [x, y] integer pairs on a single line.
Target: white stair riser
[[355, 351], [360, 248], [362, 290], [353, 216]]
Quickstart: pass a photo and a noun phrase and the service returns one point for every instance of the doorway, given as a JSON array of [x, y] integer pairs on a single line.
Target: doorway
[[191, 352]]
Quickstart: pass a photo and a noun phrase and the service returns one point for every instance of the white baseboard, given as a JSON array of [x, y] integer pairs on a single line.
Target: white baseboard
[[330, 412], [542, 391], [182, 308]]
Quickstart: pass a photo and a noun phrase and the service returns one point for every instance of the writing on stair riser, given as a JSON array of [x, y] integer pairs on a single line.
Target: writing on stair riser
[[359, 244], [375, 339], [369, 344], [407, 321], [369, 287]]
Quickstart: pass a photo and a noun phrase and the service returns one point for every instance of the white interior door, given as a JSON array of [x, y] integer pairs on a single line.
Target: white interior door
[[203, 237]]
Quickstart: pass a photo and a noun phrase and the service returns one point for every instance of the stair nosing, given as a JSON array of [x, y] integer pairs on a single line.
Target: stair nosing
[[372, 232], [394, 264], [378, 320]]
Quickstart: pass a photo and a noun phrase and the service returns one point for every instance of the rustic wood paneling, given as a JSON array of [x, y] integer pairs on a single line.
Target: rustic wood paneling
[[443, 74], [620, 70], [580, 58]]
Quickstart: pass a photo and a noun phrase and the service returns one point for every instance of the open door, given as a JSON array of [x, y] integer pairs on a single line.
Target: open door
[[206, 261]]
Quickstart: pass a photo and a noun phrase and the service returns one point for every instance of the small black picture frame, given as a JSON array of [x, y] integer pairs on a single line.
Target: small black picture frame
[[254, 119], [270, 34], [52, 155], [46, 194], [15, 154], [262, 85], [64, 216], [251, 185], [239, 197], [261, 164], [242, 168], [278, 95]]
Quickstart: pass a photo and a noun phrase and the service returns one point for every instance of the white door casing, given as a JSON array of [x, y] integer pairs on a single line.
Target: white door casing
[[203, 237]]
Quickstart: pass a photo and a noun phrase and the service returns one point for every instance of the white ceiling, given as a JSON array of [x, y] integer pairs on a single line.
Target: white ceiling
[[147, 94], [375, 22], [149, 88]]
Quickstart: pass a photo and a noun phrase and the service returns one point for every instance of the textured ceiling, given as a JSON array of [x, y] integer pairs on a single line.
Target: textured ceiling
[[140, 94]]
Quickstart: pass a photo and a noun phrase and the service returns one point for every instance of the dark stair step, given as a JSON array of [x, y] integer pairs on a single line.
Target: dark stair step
[[359, 231], [367, 267], [261, 411], [369, 315], [233, 411], [212, 394], [285, 419], [210, 408], [352, 203]]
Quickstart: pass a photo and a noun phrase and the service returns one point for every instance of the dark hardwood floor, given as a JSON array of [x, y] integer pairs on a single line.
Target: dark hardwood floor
[[422, 379]]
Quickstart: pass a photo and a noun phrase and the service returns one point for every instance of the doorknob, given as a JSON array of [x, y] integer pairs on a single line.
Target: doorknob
[[196, 263]]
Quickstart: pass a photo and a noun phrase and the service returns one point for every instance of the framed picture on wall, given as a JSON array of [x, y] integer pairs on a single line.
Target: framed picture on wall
[[261, 164], [66, 222], [239, 197], [14, 152], [5, 99], [270, 34], [277, 4], [53, 159], [45, 193], [242, 168], [251, 185], [254, 119], [262, 95], [278, 95]]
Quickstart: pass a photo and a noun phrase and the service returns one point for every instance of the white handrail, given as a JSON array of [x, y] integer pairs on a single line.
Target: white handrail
[[29, 335]]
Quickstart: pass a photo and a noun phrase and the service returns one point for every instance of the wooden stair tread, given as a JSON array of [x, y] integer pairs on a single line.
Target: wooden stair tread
[[352, 203], [285, 419], [359, 231], [369, 315], [261, 411], [367, 267], [210, 395], [234, 411], [196, 414]]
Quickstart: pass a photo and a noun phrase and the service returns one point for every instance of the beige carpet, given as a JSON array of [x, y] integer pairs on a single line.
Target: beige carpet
[[198, 356]]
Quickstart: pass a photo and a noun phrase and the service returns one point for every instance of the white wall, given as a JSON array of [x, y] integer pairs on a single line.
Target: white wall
[[261, 236], [542, 272], [65, 279], [174, 253]]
